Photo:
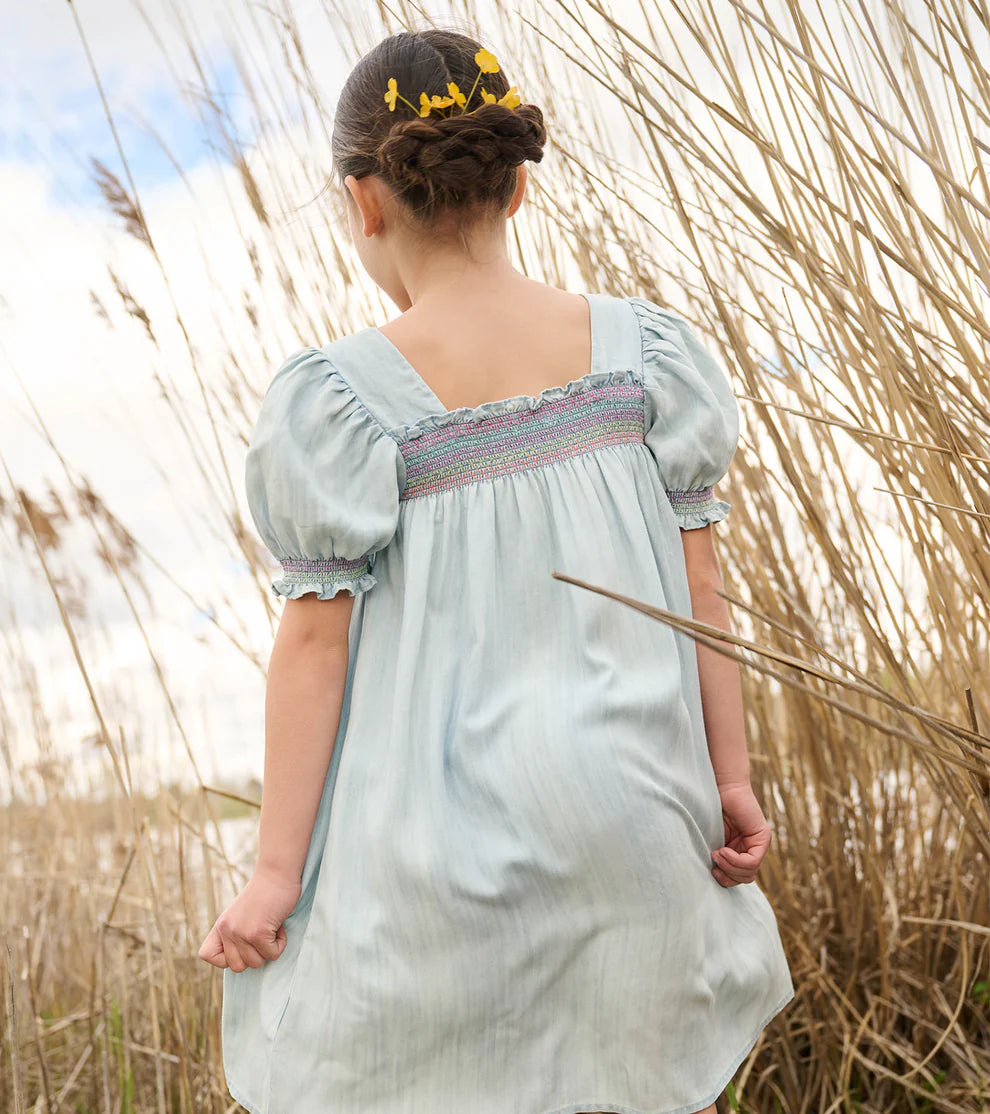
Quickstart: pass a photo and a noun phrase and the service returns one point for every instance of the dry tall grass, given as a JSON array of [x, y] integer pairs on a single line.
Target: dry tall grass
[[812, 193]]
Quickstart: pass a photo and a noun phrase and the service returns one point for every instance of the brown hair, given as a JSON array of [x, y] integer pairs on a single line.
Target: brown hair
[[437, 165]]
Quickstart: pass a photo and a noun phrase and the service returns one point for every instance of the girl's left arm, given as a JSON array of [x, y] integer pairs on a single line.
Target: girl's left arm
[[303, 699], [307, 675]]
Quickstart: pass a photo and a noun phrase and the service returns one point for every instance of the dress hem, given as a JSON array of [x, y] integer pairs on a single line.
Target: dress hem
[[596, 1106]]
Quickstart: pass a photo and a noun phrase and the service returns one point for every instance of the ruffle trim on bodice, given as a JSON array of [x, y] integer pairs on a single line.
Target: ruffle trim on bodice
[[564, 422], [473, 415]]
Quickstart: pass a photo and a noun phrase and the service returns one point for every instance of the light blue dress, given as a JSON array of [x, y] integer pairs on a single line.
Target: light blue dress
[[507, 903]]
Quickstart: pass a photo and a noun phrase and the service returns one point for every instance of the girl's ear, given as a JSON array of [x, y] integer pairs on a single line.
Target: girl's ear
[[517, 194], [366, 193]]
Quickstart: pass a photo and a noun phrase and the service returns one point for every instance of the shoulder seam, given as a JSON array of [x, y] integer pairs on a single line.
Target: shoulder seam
[[629, 300], [360, 401], [335, 370], [642, 370]]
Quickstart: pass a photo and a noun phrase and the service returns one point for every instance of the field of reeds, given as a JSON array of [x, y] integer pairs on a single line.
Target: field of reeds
[[809, 186]]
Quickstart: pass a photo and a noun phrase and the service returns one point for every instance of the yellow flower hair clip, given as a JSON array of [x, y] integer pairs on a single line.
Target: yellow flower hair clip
[[487, 63]]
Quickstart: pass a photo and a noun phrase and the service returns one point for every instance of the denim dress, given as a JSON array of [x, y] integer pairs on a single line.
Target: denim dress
[[507, 903]]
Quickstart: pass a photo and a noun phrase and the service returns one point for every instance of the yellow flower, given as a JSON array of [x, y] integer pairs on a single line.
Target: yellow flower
[[392, 94], [488, 98], [424, 105], [456, 94], [486, 61], [511, 99], [441, 102]]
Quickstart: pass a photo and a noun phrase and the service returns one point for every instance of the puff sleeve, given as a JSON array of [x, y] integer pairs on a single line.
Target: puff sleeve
[[323, 480], [692, 415]]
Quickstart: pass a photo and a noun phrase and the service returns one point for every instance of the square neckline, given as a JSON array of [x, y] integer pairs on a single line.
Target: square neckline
[[513, 401]]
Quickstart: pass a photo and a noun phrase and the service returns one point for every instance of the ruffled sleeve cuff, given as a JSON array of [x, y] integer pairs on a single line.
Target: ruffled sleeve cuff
[[698, 507], [326, 576]]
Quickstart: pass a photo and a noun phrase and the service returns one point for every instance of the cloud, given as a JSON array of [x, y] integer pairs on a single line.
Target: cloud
[[51, 111]]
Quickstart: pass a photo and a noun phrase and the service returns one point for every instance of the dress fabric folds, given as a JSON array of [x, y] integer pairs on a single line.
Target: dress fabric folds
[[507, 904]]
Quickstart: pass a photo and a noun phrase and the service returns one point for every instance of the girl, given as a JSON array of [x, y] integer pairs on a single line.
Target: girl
[[508, 839]]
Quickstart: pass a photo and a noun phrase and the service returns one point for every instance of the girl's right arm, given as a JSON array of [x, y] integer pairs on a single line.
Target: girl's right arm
[[721, 683], [747, 833]]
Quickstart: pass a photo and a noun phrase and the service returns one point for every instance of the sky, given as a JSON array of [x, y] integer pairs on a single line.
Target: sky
[[95, 387]]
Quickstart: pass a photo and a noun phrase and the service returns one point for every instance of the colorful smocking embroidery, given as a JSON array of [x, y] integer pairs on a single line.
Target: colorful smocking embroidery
[[692, 502], [458, 453], [327, 570]]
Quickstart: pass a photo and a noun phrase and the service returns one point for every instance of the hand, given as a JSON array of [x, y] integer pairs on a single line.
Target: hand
[[250, 931], [747, 836]]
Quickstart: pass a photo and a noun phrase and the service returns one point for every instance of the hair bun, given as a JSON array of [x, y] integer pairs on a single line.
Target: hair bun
[[453, 155]]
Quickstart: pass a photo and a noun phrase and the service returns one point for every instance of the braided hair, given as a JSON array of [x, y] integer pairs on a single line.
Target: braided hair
[[436, 165]]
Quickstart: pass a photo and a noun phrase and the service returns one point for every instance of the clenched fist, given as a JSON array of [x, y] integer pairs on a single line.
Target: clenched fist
[[251, 930]]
